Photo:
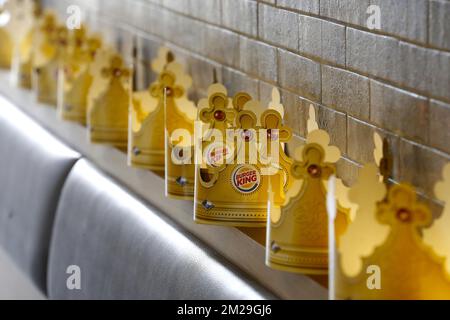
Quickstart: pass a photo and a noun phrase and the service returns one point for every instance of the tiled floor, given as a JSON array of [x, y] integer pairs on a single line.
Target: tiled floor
[[13, 284]]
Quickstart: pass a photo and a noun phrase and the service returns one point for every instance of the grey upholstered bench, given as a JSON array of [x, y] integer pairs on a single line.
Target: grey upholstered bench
[[123, 249], [33, 168]]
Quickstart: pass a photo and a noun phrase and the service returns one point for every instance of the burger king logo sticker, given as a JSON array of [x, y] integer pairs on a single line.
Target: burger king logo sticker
[[246, 178]]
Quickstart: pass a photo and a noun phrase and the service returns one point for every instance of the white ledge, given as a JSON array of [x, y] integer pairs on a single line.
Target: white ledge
[[231, 243]]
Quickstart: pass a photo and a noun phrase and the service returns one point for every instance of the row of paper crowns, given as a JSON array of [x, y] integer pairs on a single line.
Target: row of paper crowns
[[375, 240]]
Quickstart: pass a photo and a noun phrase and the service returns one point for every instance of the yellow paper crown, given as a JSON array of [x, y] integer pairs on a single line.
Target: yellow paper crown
[[297, 237], [232, 180], [384, 254], [22, 64], [50, 52], [6, 49], [75, 78], [147, 128], [109, 100], [16, 19], [180, 114]]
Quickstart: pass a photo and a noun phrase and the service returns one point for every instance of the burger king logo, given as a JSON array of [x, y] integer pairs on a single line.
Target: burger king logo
[[246, 178]]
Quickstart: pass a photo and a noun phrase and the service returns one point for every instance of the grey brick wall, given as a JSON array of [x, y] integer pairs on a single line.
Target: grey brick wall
[[395, 81]]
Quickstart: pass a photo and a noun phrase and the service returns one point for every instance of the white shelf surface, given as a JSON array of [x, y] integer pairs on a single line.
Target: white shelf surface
[[233, 244]]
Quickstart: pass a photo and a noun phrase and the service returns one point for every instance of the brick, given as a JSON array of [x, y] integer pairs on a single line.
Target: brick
[[191, 34], [416, 71], [222, 45], [373, 54], [331, 46], [399, 111], [438, 69], [439, 29], [277, 26], [236, 81], [299, 74], [345, 91], [258, 59], [311, 6], [349, 11], [240, 15], [205, 10], [361, 145], [404, 18], [333, 42], [420, 166], [310, 34], [439, 125]]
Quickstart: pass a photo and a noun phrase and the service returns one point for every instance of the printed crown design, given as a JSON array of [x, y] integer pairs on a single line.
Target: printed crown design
[[16, 19], [231, 184], [297, 236], [109, 99], [148, 121], [75, 78], [392, 249]]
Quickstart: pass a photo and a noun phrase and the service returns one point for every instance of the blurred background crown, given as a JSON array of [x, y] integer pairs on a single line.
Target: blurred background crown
[[16, 20], [180, 114], [147, 129], [50, 51], [109, 99], [74, 77], [297, 236], [392, 249], [27, 18], [232, 182]]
